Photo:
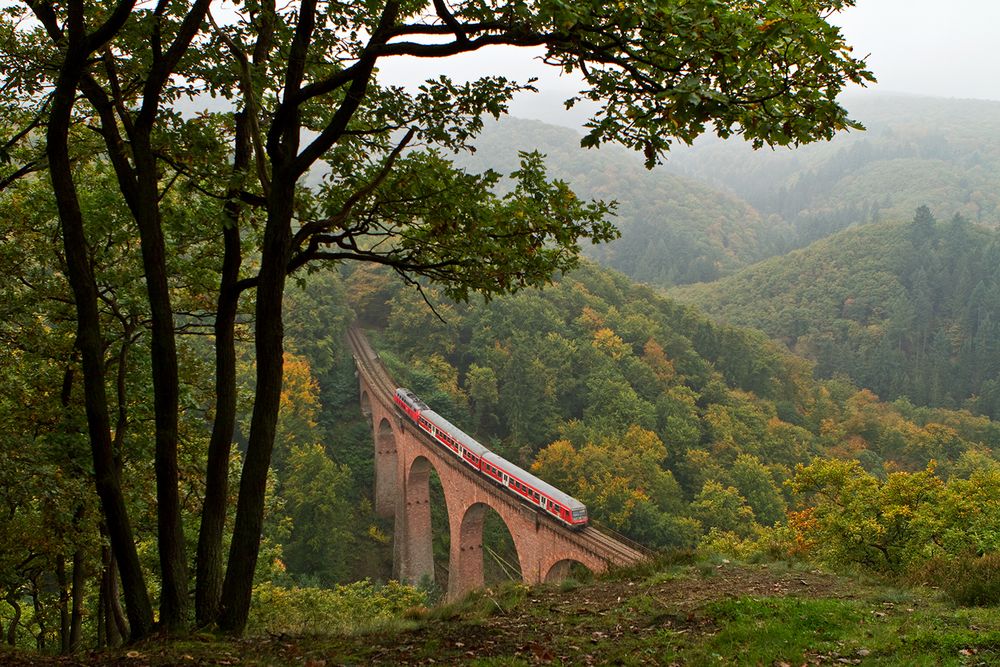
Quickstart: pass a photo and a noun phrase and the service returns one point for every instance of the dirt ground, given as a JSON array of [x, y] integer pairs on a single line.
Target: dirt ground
[[562, 625]]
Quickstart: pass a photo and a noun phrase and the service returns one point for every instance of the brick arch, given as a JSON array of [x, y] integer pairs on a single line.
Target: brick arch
[[560, 569], [465, 564], [386, 464], [554, 565]]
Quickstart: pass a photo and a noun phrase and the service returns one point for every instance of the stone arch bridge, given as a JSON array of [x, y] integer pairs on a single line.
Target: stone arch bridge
[[404, 458]]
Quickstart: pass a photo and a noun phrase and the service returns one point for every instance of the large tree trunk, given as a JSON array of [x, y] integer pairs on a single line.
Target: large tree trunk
[[269, 334], [139, 183], [213, 514], [163, 355], [90, 341]]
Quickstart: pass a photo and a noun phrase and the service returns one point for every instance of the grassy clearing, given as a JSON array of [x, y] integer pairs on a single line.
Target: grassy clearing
[[670, 613]]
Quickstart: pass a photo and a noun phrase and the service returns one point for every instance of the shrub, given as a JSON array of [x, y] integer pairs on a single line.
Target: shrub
[[967, 581], [765, 544], [278, 610]]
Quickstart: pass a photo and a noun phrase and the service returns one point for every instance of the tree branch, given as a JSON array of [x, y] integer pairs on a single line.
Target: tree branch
[[344, 213]]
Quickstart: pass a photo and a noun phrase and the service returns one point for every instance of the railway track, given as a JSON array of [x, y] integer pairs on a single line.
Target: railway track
[[606, 544]]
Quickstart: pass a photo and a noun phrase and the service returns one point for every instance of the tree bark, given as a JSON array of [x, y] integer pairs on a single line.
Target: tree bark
[[163, 357], [76, 614], [36, 604], [213, 516], [89, 337], [114, 626], [101, 605], [269, 335], [64, 620], [213, 519], [14, 622]]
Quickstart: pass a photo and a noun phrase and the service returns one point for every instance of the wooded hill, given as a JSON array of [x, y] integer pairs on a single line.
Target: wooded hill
[[674, 230], [905, 309], [944, 153], [717, 206], [673, 429]]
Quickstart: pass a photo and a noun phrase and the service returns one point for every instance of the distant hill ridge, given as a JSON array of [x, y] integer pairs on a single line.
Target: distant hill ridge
[[917, 150], [717, 207], [674, 229], [906, 309]]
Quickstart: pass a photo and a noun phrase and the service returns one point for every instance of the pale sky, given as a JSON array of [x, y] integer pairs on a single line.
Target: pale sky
[[942, 48]]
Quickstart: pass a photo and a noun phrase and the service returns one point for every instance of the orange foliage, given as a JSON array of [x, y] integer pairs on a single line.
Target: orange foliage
[[803, 524], [654, 357]]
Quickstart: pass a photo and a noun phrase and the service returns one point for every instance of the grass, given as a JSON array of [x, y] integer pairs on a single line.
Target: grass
[[768, 630], [685, 613]]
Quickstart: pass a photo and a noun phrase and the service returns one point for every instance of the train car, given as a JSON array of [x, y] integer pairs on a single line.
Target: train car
[[458, 441], [561, 506], [535, 491]]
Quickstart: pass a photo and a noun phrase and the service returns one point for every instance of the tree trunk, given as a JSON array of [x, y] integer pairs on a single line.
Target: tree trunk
[[90, 340], [36, 604], [114, 626], [14, 622], [213, 514], [163, 356], [76, 616], [101, 605], [238, 584], [64, 620]]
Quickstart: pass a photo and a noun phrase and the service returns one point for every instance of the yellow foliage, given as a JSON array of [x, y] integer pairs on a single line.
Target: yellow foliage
[[299, 391], [590, 319], [610, 343]]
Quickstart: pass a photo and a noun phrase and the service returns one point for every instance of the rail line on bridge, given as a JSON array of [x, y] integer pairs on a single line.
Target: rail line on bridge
[[404, 456]]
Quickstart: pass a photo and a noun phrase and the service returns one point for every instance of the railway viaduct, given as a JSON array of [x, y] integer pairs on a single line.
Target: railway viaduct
[[404, 458]]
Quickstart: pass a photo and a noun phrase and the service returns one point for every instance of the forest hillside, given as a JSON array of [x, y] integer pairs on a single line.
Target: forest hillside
[[719, 206], [906, 309], [681, 432], [674, 229]]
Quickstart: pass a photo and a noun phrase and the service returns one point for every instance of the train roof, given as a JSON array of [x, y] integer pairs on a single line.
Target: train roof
[[458, 434], [526, 477]]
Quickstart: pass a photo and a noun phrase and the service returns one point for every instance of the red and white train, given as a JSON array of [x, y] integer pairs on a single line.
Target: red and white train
[[560, 506]]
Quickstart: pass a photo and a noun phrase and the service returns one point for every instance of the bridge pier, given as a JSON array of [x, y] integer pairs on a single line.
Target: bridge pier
[[386, 461], [413, 546], [465, 562]]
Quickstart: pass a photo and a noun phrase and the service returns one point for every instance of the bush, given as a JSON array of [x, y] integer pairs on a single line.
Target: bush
[[968, 581], [278, 610], [764, 545]]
